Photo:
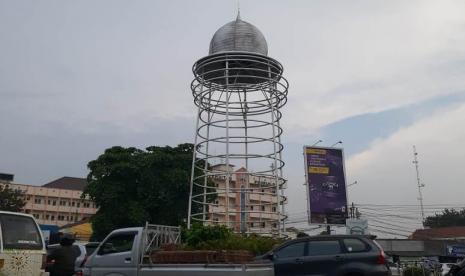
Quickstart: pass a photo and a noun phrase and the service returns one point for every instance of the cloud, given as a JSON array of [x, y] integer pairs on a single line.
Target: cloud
[[356, 59], [386, 175], [39, 153], [385, 171], [112, 63], [78, 77]]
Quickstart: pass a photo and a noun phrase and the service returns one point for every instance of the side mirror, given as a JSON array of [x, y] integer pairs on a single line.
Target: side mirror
[[270, 255]]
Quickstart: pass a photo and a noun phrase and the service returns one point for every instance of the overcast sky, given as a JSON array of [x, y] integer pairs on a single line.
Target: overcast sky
[[77, 77]]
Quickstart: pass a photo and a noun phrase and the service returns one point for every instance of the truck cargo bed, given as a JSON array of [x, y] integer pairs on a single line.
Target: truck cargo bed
[[252, 269]]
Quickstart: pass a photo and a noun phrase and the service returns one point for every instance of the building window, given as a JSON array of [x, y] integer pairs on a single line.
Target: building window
[[263, 225], [263, 208], [273, 208], [275, 225], [54, 202], [71, 218], [251, 224], [47, 217], [28, 198], [38, 201], [251, 208], [52, 218], [78, 204], [72, 203]]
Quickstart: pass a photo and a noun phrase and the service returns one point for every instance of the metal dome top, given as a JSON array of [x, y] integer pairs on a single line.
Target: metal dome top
[[238, 36]]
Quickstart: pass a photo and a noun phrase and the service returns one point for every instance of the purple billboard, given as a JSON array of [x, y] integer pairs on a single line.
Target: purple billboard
[[327, 197]]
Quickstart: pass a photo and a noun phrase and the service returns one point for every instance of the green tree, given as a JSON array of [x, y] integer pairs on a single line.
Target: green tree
[[131, 186], [448, 217], [11, 200]]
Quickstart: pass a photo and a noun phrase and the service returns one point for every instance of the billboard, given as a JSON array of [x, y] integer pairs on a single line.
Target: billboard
[[326, 185], [456, 250]]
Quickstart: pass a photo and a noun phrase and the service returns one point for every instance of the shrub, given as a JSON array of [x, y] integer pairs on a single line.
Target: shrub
[[414, 271], [199, 234], [221, 238]]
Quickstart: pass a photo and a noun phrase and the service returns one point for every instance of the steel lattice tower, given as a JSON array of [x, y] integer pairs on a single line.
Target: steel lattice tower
[[237, 177]]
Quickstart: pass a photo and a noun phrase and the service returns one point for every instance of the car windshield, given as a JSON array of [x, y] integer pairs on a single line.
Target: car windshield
[[19, 232], [90, 248]]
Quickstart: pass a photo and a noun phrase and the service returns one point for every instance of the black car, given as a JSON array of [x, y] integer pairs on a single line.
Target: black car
[[338, 255], [457, 269]]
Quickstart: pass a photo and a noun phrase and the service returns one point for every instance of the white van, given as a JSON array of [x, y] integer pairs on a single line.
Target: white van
[[22, 247]]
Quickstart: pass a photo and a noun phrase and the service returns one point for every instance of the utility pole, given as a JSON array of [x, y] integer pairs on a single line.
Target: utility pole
[[352, 211], [420, 185]]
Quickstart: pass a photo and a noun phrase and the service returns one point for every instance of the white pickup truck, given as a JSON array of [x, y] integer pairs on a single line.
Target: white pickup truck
[[126, 252]]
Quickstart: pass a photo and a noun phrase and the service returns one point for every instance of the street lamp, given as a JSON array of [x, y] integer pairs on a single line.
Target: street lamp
[[351, 184], [317, 142], [339, 142]]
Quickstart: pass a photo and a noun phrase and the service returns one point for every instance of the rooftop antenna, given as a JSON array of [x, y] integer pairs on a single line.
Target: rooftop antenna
[[419, 184]]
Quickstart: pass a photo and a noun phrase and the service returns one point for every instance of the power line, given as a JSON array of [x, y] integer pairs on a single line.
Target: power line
[[372, 230], [391, 215], [389, 228], [408, 205], [411, 207], [390, 224], [376, 229]]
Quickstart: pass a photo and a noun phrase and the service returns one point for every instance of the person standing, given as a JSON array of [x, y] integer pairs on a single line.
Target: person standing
[[64, 257]]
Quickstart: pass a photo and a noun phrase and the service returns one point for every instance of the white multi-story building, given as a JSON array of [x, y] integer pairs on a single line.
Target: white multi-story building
[[254, 205], [56, 203]]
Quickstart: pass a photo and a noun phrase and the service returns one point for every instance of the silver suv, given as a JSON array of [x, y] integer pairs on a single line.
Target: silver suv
[[333, 255]]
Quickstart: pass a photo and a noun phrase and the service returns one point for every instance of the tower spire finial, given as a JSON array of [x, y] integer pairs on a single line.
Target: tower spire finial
[[238, 10]]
